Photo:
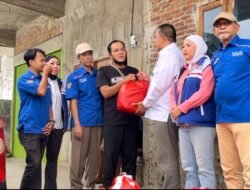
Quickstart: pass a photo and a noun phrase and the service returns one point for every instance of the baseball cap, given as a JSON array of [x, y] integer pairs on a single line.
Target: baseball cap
[[225, 15], [83, 47]]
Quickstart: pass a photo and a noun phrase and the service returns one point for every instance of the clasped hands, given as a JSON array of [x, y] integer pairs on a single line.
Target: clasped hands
[[175, 112]]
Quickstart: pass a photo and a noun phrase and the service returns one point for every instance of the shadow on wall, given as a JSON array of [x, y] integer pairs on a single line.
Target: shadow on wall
[[5, 106]]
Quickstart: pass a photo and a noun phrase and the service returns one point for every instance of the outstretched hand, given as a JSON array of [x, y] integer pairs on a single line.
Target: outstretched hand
[[140, 109], [143, 76]]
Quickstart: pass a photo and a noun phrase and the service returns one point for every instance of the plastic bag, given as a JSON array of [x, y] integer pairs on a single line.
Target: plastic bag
[[131, 92], [2, 157], [124, 182]]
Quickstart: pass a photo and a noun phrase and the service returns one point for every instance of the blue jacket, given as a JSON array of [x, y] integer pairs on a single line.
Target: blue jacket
[[203, 115], [64, 110], [231, 67]]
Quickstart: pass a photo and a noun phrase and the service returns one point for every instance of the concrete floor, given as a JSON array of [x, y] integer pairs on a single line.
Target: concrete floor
[[15, 168]]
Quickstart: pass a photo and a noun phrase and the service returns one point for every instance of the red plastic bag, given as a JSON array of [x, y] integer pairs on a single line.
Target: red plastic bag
[[131, 92], [2, 155], [124, 182]]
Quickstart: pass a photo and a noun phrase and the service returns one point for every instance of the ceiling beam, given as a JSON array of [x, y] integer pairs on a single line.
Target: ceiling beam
[[54, 8], [7, 38]]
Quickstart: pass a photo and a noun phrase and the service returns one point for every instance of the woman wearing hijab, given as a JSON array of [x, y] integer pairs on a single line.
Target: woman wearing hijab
[[60, 115], [192, 106]]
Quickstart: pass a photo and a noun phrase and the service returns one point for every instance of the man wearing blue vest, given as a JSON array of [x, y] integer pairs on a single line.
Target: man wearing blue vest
[[231, 66], [86, 108], [35, 119]]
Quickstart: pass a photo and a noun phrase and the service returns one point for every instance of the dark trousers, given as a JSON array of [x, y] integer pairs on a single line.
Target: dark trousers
[[119, 140], [3, 185], [160, 155], [52, 152], [34, 145]]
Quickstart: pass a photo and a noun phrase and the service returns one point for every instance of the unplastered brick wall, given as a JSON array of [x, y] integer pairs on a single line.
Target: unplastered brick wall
[[177, 12], [180, 13], [36, 32]]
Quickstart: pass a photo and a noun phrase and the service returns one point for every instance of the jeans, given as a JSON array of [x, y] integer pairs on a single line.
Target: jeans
[[197, 156], [34, 145]]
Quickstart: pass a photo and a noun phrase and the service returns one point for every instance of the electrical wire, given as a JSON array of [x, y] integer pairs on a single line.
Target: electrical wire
[[132, 17]]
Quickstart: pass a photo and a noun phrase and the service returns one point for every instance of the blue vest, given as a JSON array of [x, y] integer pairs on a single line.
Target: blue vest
[[204, 115]]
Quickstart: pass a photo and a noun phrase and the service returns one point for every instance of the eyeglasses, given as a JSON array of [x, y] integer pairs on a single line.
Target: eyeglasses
[[222, 23]]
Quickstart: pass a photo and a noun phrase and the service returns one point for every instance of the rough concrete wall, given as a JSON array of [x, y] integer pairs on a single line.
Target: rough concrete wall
[[184, 15], [99, 22], [36, 32]]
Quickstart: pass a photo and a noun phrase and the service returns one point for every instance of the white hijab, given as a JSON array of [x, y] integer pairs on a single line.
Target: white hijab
[[201, 47]]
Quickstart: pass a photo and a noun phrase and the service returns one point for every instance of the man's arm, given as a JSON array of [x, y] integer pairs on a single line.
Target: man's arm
[[163, 79], [72, 96], [41, 91], [77, 130], [109, 91], [160, 83], [50, 125]]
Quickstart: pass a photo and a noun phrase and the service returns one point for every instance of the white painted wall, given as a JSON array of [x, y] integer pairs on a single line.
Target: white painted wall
[[6, 72]]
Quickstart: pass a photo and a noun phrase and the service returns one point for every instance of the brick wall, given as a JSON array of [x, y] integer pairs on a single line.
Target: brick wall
[[180, 13], [176, 12], [38, 31]]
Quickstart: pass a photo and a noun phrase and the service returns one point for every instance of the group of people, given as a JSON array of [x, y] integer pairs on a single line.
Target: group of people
[[190, 98]]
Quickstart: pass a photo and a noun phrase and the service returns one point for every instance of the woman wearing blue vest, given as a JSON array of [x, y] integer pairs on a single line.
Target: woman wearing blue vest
[[60, 115], [192, 105]]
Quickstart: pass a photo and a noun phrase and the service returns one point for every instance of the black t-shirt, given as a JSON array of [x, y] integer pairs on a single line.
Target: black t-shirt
[[107, 75]]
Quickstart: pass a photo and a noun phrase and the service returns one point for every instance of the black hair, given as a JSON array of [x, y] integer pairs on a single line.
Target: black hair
[[49, 57], [30, 54], [109, 50], [112, 42], [168, 31]]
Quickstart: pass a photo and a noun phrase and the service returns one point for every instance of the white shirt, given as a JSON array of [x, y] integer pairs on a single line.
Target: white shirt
[[56, 103], [168, 65]]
